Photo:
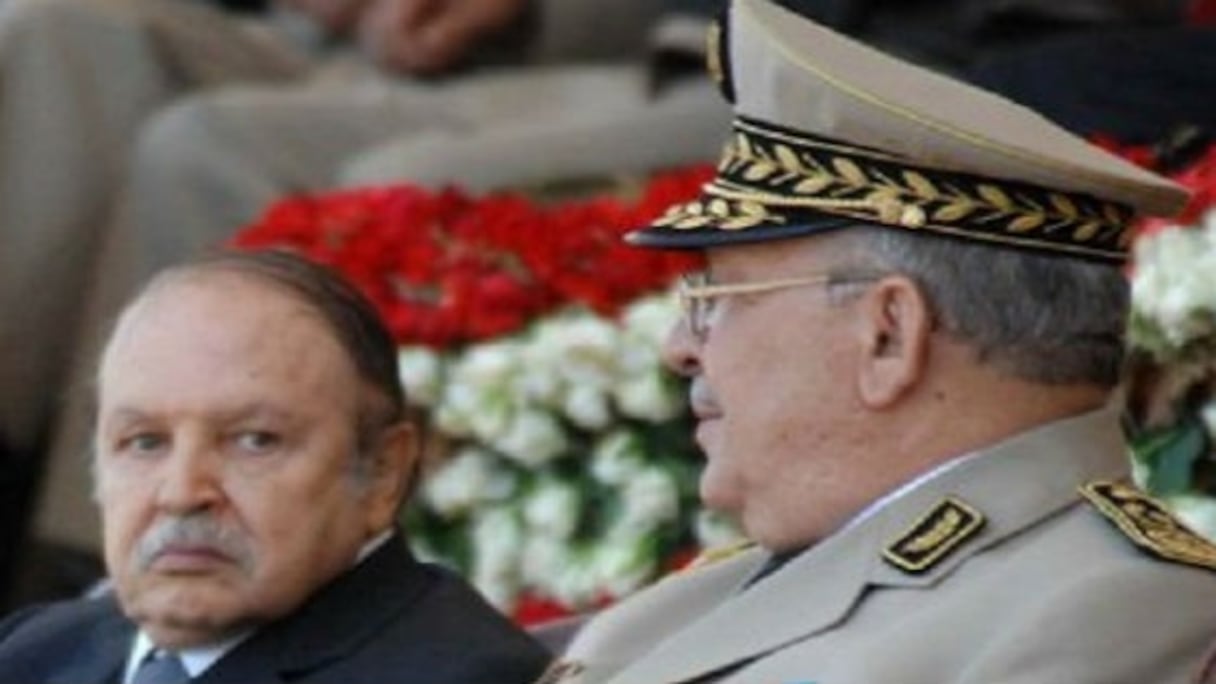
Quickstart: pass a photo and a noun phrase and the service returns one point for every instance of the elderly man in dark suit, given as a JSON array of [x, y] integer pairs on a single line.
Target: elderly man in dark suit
[[251, 454]]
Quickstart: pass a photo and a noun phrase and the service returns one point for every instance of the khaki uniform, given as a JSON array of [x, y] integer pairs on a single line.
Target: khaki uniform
[[1026, 562], [1018, 579]]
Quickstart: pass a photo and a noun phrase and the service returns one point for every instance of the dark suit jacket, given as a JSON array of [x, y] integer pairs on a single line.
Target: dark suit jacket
[[390, 618]]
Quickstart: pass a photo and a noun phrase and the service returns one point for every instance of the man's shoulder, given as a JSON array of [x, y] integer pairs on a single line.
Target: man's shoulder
[[1146, 525], [393, 614], [55, 620], [42, 640], [635, 624], [451, 634]]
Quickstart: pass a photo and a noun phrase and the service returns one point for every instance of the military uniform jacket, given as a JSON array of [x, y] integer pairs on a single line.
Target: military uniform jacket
[[391, 618], [995, 571]]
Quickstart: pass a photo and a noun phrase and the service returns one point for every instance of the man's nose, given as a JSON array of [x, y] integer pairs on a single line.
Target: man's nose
[[681, 350], [191, 480]]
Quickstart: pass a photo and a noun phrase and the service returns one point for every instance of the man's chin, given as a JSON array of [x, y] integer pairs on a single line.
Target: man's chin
[[176, 615]]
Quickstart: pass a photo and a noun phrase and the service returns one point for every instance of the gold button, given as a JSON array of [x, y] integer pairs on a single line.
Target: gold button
[[912, 216]]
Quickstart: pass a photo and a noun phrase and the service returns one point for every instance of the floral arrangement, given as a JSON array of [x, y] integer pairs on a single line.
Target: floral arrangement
[[560, 471], [1172, 373]]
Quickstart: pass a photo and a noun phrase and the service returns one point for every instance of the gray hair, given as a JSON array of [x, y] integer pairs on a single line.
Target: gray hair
[[1046, 319]]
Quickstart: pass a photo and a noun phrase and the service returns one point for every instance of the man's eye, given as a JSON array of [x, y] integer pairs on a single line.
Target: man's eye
[[143, 443], [258, 441]]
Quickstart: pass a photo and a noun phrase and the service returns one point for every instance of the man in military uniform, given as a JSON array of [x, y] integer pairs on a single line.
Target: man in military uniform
[[901, 355]]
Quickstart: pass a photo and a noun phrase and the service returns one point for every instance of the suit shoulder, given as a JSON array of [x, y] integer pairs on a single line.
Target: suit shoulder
[[53, 619], [466, 638], [1148, 526], [40, 642]]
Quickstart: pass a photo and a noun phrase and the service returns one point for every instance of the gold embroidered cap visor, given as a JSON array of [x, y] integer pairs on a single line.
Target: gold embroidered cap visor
[[830, 133]]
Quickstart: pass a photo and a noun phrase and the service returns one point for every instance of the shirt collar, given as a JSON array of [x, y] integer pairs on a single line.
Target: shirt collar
[[924, 478]]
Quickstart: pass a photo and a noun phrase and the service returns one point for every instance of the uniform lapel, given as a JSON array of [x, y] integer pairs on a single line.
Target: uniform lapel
[[808, 594], [627, 631]]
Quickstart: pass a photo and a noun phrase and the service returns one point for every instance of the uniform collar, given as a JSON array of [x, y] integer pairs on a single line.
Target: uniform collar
[[1014, 484]]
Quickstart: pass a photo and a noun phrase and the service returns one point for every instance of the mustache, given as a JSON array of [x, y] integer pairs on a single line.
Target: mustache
[[195, 530]]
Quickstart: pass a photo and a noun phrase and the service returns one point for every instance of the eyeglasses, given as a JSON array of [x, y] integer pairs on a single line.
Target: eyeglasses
[[698, 297]]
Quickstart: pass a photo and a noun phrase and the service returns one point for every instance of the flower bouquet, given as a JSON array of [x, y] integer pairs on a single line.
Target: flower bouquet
[[560, 472], [1172, 371]]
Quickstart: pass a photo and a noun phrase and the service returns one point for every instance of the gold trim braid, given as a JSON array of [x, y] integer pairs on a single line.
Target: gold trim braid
[[770, 176]]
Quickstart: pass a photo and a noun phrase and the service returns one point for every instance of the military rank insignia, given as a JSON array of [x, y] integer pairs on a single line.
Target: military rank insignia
[[1149, 524], [946, 526]]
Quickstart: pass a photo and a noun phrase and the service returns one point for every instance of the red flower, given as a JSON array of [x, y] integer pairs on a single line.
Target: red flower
[[444, 268], [1199, 177]]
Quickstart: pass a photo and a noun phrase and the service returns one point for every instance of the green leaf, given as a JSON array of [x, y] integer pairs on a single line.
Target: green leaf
[[1170, 454]]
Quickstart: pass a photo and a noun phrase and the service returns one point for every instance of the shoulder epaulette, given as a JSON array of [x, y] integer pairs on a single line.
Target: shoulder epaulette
[[717, 554], [1149, 524]]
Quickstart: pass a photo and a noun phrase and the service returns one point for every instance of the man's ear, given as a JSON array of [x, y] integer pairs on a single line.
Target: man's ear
[[895, 324], [393, 466]]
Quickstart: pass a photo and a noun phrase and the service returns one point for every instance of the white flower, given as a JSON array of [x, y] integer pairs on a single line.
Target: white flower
[[468, 479], [587, 407], [583, 348], [575, 583], [454, 414], [650, 319], [622, 567], [543, 559], [541, 383], [467, 410], [648, 499], [1208, 224], [552, 509], [617, 457], [713, 529], [497, 537], [489, 366], [533, 438], [421, 375], [1208, 414], [1140, 473], [650, 397], [1175, 284], [1197, 511], [638, 358], [491, 418]]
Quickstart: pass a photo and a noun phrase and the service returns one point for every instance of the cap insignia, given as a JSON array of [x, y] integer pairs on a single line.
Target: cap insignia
[[946, 526], [770, 176], [1149, 524]]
